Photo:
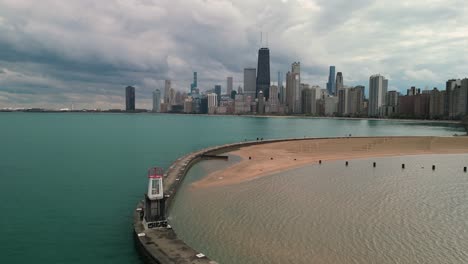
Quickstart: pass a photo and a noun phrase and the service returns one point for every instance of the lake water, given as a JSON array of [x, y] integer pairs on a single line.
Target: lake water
[[330, 213], [69, 182]]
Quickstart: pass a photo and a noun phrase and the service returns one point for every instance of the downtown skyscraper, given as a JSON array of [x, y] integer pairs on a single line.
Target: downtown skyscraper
[[156, 101], [229, 83], [331, 84], [293, 89], [263, 73], [194, 84], [130, 98], [339, 84], [250, 75], [167, 88]]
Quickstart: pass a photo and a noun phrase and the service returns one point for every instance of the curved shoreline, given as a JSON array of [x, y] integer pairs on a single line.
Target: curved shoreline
[[162, 245], [280, 156]]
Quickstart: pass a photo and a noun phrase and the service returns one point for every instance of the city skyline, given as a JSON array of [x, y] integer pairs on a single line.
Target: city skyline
[[44, 61]]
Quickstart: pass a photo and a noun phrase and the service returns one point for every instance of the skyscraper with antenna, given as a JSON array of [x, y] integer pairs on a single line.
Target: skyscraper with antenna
[[263, 70]]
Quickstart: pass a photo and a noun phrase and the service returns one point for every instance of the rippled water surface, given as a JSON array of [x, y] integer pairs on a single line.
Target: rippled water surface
[[69, 182], [333, 214]]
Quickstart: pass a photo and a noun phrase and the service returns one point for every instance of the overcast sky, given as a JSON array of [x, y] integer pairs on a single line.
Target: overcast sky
[[54, 53]]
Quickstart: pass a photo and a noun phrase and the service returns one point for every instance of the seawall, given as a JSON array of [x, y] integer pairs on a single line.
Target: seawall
[[162, 246]]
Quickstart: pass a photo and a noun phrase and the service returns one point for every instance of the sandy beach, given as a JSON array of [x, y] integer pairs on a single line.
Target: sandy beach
[[272, 158]]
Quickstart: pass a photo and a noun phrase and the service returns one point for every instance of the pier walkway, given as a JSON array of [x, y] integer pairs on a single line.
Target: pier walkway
[[161, 245]]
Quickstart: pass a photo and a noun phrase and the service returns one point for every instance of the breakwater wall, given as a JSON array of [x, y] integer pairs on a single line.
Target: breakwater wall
[[161, 245]]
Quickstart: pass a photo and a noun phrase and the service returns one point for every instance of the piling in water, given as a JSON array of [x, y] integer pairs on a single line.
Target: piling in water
[[347, 163], [320, 161], [402, 166], [433, 167], [375, 164], [464, 169]]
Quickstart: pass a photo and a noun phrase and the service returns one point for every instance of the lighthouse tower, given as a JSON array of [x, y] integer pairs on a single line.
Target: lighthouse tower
[[155, 184], [154, 199]]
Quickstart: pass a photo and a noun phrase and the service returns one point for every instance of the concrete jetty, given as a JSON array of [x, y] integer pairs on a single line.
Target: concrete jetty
[[161, 245]]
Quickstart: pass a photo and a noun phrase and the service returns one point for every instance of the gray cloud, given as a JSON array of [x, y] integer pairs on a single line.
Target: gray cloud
[[85, 52]]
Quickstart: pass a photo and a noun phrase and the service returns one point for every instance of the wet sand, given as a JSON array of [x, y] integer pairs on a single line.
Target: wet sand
[[272, 158]]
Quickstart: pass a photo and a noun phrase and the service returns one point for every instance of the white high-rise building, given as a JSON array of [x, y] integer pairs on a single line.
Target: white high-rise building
[[229, 86], [157, 101], [212, 103], [378, 86], [250, 82]]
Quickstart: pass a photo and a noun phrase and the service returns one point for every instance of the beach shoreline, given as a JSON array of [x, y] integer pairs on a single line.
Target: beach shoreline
[[271, 158]]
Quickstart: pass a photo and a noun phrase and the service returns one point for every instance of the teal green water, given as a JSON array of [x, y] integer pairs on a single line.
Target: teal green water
[[69, 182]]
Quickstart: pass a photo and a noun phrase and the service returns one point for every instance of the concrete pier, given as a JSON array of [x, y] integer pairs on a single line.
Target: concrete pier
[[161, 245]]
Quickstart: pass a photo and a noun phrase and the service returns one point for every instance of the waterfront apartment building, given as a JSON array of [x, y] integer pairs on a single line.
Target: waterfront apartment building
[[263, 73], [331, 85], [130, 98], [456, 98], [343, 99], [449, 98], [250, 76], [156, 101], [421, 105], [464, 97], [437, 104], [309, 101], [212, 103], [461, 99], [415, 104], [330, 106], [356, 100], [391, 103], [242, 104], [378, 86]]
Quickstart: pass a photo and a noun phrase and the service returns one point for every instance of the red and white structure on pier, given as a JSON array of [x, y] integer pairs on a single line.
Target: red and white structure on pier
[[155, 202], [155, 184]]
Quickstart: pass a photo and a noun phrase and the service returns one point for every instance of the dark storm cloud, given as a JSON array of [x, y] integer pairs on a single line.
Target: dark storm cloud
[[53, 53]]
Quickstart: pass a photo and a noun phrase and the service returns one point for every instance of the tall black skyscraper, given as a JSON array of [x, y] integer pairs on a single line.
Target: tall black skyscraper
[[218, 92], [263, 73], [130, 98], [331, 84]]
